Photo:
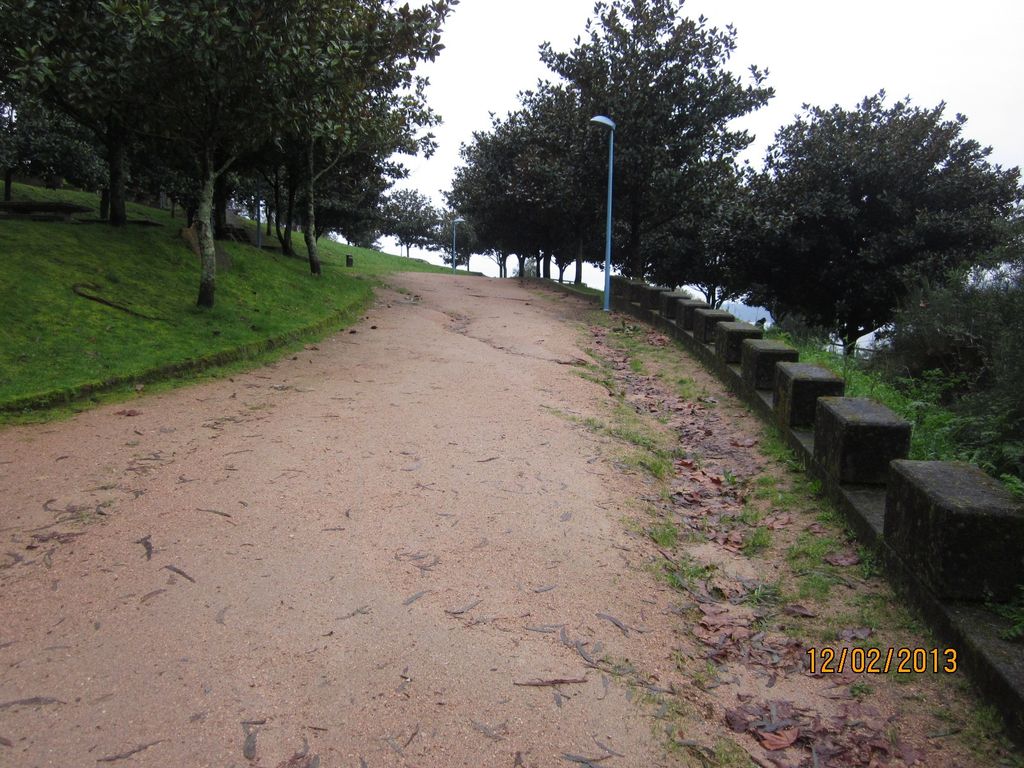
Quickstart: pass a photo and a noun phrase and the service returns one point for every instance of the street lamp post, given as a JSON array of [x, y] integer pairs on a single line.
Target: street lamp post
[[610, 124], [455, 223]]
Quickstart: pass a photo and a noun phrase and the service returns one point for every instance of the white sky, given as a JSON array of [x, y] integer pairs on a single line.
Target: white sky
[[822, 52]]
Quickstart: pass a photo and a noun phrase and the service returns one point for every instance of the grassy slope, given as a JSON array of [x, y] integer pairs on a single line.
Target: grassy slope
[[52, 340]]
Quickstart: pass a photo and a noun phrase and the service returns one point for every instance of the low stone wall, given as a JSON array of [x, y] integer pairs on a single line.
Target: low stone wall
[[951, 538]]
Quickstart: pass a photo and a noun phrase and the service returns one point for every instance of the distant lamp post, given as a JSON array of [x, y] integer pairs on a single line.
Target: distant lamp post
[[608, 123], [455, 223]]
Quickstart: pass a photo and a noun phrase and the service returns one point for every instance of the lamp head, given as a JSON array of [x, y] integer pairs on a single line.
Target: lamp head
[[459, 220], [602, 120]]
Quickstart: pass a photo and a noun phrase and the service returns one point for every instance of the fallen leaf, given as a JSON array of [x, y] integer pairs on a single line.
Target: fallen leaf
[[778, 739], [855, 633], [847, 557], [747, 443], [795, 609], [128, 412]]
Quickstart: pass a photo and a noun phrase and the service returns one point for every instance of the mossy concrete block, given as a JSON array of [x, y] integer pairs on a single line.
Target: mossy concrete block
[[957, 528], [855, 438], [758, 358], [797, 389], [729, 337], [650, 296], [620, 287], [704, 322], [685, 309], [669, 303]]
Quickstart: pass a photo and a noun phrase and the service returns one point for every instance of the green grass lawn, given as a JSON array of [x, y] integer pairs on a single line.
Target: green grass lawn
[[55, 344]]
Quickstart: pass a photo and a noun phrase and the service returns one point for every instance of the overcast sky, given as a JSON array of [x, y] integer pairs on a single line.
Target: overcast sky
[[821, 52]]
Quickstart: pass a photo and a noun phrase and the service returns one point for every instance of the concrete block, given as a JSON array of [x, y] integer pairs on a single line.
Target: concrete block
[[855, 438], [704, 322], [797, 389], [957, 528], [669, 303], [620, 287], [729, 337], [685, 309], [650, 296], [758, 358]]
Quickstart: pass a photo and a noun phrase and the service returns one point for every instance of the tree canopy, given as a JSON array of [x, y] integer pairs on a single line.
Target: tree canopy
[[857, 207], [299, 89]]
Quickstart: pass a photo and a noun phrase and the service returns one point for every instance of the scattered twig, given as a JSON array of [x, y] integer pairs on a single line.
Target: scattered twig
[[585, 656], [35, 701], [616, 622], [362, 610], [485, 461], [217, 512], [426, 568], [177, 570], [487, 731], [78, 290], [413, 598], [587, 761], [611, 752], [536, 683], [415, 732], [145, 542], [150, 595], [546, 629], [466, 609], [548, 588], [129, 753]]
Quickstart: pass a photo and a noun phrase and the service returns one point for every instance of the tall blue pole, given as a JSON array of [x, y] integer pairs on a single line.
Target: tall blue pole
[[610, 125], [608, 226]]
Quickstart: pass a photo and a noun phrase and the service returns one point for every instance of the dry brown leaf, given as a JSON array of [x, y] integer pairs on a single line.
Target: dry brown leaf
[[780, 739]]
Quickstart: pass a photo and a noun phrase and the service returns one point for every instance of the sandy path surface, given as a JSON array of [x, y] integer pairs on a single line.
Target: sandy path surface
[[353, 555]]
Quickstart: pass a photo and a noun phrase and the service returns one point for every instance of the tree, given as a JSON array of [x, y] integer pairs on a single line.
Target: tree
[[466, 241], [350, 65], [88, 60], [410, 217], [352, 89], [709, 243], [662, 77], [44, 143], [527, 186], [859, 206]]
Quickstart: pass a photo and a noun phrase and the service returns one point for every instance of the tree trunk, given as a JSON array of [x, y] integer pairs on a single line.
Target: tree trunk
[[204, 234], [285, 238], [105, 203], [561, 272], [277, 209], [220, 207], [116, 160], [8, 184], [310, 230], [634, 260], [547, 266], [522, 266], [579, 263]]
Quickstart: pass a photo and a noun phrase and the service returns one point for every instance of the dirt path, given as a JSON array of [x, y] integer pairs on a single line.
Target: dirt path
[[361, 555]]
